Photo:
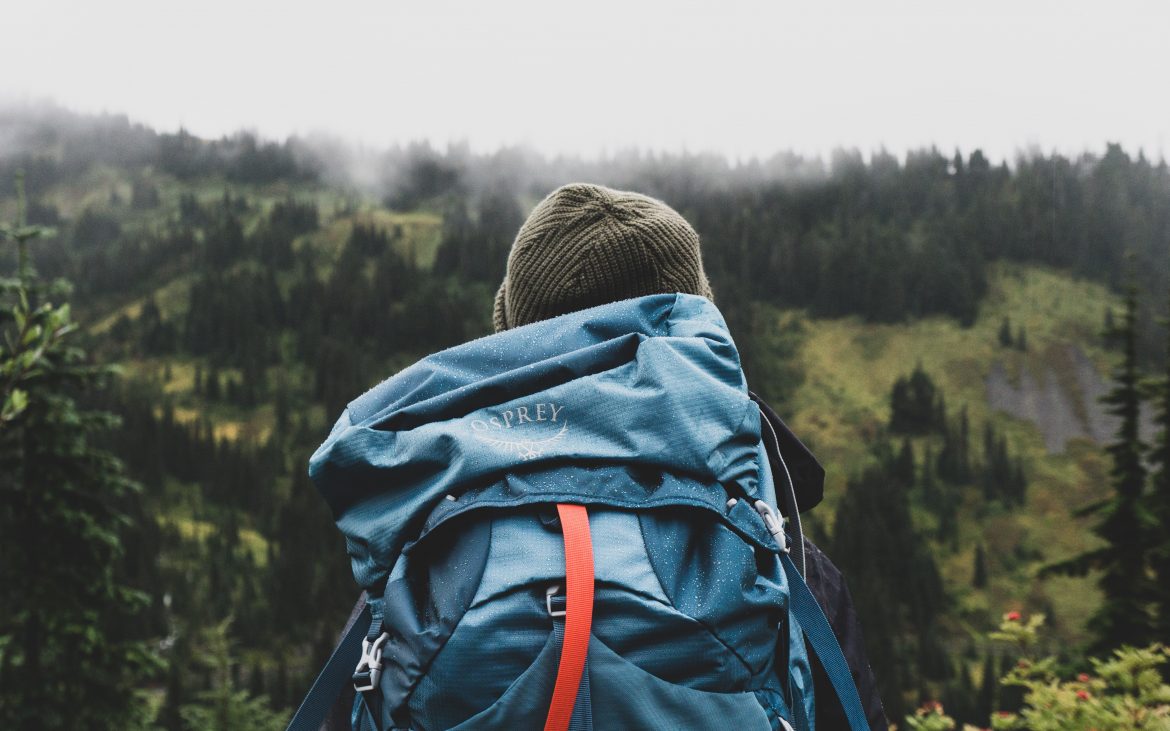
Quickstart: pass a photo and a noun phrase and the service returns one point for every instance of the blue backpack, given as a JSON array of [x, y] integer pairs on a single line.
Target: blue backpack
[[573, 524]]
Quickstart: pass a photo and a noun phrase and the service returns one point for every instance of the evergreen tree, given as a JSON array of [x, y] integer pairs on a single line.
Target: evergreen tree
[[915, 404], [1122, 520], [144, 195], [1005, 333], [927, 481], [458, 240], [903, 466], [988, 684], [991, 469], [1019, 483], [959, 695], [1159, 497], [998, 471], [256, 681], [894, 581], [211, 388], [179, 666], [70, 656], [309, 568], [954, 461], [979, 572], [223, 707], [948, 517]]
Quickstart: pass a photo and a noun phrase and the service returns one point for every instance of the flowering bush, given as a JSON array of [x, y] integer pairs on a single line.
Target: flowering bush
[[1124, 692], [930, 717]]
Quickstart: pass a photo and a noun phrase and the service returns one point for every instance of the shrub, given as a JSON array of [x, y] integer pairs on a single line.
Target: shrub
[[1122, 692]]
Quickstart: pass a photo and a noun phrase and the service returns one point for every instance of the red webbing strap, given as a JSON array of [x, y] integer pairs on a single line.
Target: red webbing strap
[[578, 614]]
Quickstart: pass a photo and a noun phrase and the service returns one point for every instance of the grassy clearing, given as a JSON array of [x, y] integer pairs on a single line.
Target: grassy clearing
[[420, 231], [850, 367], [226, 422], [100, 187], [171, 298], [229, 422], [200, 530]]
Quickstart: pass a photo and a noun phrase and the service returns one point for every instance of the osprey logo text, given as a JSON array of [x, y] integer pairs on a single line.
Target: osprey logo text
[[526, 430]]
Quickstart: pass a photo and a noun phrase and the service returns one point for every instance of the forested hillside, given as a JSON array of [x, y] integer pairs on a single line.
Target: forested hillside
[[250, 288]]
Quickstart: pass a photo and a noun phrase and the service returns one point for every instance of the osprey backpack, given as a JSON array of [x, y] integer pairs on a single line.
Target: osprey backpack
[[573, 525]]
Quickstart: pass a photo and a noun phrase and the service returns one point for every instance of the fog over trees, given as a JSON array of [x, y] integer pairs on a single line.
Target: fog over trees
[[253, 287]]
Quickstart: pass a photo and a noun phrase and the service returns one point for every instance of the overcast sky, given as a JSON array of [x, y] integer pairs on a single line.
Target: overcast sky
[[742, 78]]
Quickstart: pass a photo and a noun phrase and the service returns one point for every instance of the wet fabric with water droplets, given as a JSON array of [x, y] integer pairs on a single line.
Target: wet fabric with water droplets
[[636, 409]]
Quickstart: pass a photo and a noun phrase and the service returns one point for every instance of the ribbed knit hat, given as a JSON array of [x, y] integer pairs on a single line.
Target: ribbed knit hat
[[586, 245]]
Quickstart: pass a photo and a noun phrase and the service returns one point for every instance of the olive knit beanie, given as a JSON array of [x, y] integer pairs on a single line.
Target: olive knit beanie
[[586, 245]]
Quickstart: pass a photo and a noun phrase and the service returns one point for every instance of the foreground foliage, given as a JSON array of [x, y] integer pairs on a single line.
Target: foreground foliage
[[69, 657], [224, 706], [1123, 692]]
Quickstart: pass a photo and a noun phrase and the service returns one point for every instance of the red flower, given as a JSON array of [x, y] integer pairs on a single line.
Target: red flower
[[1013, 616], [1083, 677], [1083, 695]]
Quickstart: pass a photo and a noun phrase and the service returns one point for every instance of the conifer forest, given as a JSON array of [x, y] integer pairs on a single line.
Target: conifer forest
[[976, 350]]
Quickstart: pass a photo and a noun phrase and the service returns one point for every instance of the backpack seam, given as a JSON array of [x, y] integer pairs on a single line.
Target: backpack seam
[[424, 670]]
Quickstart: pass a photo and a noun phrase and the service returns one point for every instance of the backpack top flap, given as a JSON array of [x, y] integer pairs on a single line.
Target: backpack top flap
[[651, 384]]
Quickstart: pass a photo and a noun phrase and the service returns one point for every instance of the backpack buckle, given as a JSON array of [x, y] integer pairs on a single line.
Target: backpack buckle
[[554, 601], [774, 523], [369, 667]]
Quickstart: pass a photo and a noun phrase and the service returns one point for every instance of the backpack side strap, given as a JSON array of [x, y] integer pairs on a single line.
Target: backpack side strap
[[823, 642], [337, 672]]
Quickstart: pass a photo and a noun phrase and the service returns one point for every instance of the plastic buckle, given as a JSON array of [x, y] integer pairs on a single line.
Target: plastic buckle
[[774, 524], [553, 592], [369, 667]]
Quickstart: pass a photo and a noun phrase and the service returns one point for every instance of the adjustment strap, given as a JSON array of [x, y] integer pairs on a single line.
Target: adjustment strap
[[578, 615], [819, 633]]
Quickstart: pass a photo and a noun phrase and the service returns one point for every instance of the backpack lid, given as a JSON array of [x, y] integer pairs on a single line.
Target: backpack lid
[[652, 384]]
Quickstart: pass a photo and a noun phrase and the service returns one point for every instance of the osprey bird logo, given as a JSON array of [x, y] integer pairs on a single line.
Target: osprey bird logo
[[526, 449], [517, 429]]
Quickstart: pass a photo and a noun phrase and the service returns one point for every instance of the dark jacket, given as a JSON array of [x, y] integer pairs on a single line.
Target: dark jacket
[[828, 586], [826, 582]]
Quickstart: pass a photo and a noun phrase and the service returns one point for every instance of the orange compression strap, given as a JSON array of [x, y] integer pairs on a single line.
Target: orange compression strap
[[578, 614]]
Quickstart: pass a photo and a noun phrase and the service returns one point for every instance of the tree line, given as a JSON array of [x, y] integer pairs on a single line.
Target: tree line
[[885, 238]]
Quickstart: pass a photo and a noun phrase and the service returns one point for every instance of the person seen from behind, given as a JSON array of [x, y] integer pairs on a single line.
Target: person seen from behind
[[586, 245], [573, 522]]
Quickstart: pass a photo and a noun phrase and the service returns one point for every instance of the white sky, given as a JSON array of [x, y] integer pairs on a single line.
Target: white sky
[[742, 78]]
